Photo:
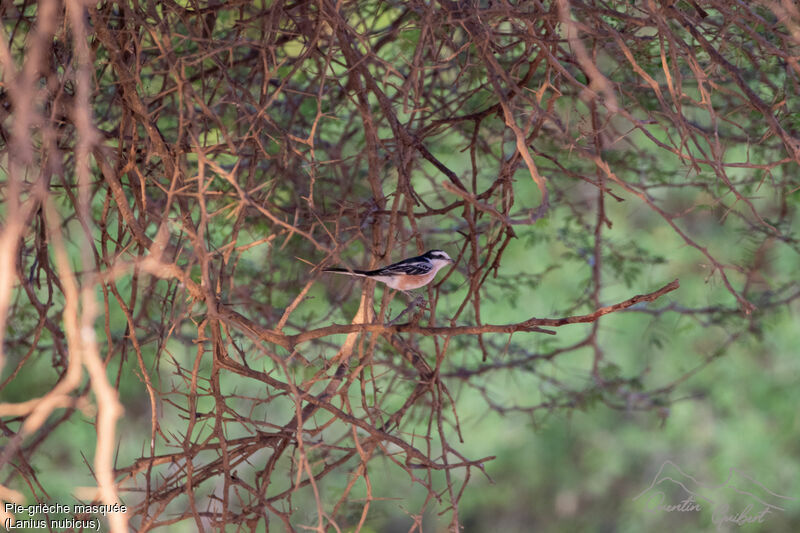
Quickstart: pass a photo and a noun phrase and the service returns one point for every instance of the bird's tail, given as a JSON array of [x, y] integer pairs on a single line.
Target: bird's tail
[[346, 271]]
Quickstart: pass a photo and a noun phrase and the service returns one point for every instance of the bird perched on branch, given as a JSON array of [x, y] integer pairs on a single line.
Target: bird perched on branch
[[405, 275]]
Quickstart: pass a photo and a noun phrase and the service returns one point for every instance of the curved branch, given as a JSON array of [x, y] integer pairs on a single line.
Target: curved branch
[[532, 325]]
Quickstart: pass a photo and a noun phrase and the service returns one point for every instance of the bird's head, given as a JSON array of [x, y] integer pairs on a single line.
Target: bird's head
[[438, 258]]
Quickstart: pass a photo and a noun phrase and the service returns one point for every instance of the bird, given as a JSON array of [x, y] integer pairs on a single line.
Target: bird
[[405, 275]]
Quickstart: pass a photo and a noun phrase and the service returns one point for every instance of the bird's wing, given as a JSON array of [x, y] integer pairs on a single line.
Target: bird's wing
[[409, 267]]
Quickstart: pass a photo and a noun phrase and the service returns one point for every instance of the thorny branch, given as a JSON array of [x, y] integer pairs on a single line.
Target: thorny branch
[[167, 171]]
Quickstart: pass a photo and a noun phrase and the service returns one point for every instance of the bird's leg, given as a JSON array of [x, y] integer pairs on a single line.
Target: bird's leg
[[414, 303], [419, 299]]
